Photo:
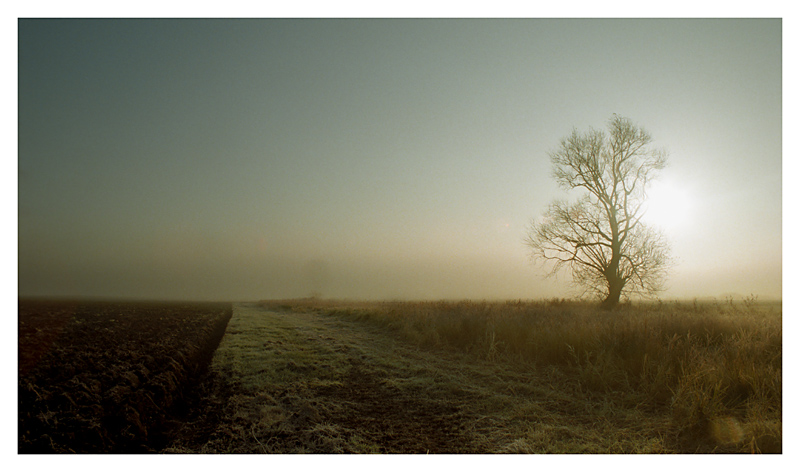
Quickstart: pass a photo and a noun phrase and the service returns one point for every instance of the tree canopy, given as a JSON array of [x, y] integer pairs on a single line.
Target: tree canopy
[[601, 237]]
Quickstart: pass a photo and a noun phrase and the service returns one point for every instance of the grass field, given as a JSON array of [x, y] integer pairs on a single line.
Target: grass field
[[505, 377]]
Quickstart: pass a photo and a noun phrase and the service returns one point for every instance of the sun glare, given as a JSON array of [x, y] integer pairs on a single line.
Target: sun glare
[[669, 206]]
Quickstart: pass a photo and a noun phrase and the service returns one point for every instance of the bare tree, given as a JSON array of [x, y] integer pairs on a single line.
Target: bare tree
[[601, 237]]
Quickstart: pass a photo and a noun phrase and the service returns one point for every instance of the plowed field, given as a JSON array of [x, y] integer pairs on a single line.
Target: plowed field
[[103, 377]]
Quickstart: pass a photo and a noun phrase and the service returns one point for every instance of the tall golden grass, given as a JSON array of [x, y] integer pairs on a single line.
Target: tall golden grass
[[716, 367]]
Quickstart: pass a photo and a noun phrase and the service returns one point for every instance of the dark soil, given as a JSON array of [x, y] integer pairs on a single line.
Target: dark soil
[[110, 377], [391, 420], [399, 422]]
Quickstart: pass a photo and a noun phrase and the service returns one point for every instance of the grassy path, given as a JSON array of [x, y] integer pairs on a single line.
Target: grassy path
[[290, 382]]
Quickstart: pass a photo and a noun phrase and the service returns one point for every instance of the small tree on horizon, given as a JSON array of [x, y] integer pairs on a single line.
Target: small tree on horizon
[[600, 238]]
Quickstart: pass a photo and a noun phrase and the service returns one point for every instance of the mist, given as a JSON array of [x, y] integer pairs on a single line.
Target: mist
[[376, 159]]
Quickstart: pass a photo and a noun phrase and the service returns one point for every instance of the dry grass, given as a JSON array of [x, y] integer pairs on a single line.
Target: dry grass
[[714, 369]]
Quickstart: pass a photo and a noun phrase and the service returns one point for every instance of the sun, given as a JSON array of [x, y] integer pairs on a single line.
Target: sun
[[669, 206]]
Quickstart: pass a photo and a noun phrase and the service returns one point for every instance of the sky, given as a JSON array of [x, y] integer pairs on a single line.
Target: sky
[[379, 159]]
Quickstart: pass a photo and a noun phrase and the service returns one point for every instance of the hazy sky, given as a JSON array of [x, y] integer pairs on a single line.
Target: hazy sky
[[250, 159]]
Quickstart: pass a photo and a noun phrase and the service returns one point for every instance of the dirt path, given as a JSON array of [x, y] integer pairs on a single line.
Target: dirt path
[[286, 382], [301, 382]]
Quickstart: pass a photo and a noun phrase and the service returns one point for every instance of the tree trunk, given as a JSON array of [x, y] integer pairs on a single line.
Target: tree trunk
[[615, 284], [614, 292]]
